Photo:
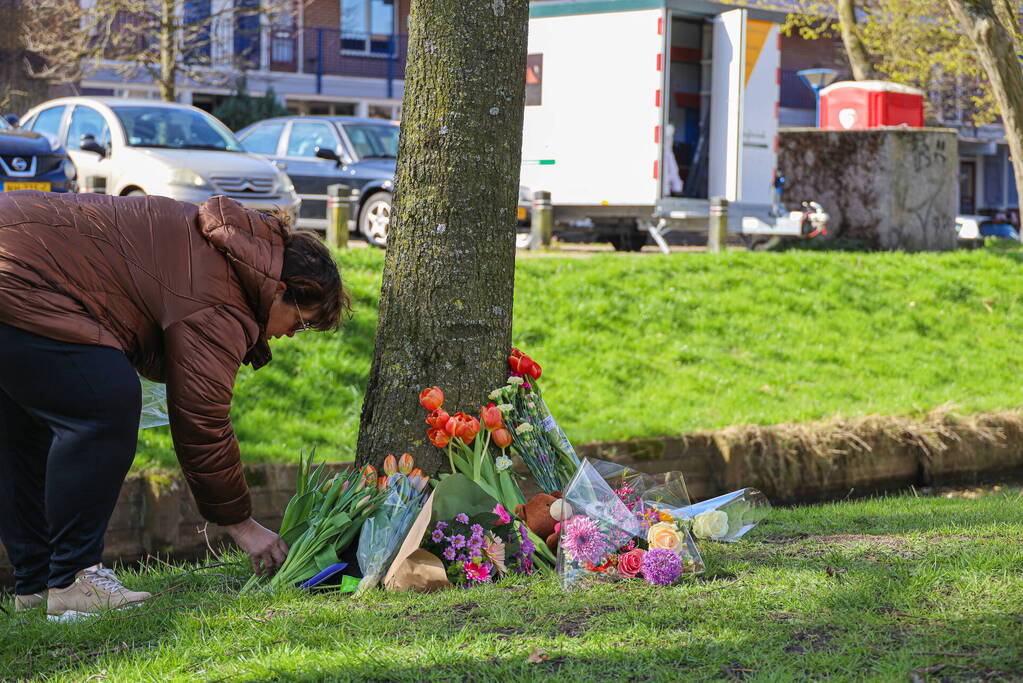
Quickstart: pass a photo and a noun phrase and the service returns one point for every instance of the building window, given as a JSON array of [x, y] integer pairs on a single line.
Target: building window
[[367, 26], [247, 36]]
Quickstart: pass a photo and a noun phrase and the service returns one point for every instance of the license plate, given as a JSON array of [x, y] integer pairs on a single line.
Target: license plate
[[522, 213], [11, 187]]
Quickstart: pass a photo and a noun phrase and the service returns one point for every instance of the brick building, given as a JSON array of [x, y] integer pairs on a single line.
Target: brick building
[[328, 57]]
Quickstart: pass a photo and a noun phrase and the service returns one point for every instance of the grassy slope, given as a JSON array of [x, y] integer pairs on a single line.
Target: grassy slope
[[873, 589], [650, 345]]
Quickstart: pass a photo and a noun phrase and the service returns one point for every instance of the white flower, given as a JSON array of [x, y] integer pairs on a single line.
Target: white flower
[[494, 395], [505, 407], [523, 428], [712, 525], [503, 462], [515, 380]]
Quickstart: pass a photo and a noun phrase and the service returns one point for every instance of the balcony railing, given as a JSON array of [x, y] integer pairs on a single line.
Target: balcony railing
[[325, 51]]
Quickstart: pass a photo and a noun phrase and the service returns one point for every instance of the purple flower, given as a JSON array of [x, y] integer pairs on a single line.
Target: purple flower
[[442, 525], [462, 518], [661, 567], [476, 529], [437, 535], [458, 541], [449, 554], [582, 539], [527, 544]]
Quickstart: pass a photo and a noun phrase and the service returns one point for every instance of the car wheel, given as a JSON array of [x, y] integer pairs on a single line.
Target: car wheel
[[630, 240], [136, 193], [375, 218]]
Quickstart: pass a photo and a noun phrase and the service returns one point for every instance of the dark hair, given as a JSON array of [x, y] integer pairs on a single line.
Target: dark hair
[[313, 281]]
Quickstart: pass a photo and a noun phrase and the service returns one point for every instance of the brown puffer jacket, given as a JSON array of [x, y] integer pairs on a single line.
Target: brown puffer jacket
[[185, 291]]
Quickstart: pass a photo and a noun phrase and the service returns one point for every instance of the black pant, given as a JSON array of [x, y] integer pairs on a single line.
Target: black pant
[[69, 418]]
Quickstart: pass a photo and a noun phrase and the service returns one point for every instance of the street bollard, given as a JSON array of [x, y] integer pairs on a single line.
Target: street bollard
[[542, 224], [338, 197], [717, 229]]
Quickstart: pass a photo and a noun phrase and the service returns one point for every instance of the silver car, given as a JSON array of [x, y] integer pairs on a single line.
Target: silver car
[[134, 147]]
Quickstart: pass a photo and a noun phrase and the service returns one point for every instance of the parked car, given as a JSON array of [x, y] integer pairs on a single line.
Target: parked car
[[318, 151], [32, 161], [134, 147], [973, 230]]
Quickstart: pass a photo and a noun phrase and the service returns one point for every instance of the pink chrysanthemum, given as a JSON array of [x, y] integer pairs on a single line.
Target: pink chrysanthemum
[[583, 540]]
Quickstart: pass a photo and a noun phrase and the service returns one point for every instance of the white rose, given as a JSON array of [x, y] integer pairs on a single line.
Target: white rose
[[713, 524]]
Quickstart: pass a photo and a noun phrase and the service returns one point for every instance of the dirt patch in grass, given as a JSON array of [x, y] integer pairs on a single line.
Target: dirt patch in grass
[[809, 641]]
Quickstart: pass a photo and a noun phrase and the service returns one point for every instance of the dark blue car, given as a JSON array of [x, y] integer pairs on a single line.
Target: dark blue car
[[31, 161], [317, 151]]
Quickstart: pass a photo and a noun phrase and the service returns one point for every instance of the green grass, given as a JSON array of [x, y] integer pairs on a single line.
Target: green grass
[[646, 345], [876, 589]]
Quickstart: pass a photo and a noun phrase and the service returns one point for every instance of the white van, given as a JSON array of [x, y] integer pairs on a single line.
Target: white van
[[135, 147]]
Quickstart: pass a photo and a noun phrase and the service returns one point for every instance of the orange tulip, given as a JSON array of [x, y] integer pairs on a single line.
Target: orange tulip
[[470, 430], [382, 483], [431, 398], [390, 464], [405, 463], [491, 417], [455, 424], [438, 437], [438, 418], [502, 437]]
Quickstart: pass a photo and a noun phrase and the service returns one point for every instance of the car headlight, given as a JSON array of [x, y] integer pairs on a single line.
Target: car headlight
[[69, 169], [187, 178], [284, 184]]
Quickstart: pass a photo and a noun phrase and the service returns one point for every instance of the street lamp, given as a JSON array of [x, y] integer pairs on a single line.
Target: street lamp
[[816, 80]]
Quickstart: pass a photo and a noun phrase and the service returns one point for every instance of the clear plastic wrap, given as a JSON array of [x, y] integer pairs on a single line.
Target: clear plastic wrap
[[384, 532], [154, 404], [610, 533], [726, 518]]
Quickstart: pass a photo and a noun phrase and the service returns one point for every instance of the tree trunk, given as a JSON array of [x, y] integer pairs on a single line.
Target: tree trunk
[[446, 301], [997, 53], [168, 52], [859, 58]]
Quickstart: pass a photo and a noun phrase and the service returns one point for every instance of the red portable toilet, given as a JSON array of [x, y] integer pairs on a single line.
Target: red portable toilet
[[854, 105]]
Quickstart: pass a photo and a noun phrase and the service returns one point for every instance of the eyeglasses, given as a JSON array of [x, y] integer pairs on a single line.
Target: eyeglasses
[[302, 325]]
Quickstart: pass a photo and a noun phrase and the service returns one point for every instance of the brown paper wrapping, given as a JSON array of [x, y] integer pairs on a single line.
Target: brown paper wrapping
[[413, 568]]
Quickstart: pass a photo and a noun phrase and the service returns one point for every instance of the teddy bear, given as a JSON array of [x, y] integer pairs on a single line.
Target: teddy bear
[[543, 514]]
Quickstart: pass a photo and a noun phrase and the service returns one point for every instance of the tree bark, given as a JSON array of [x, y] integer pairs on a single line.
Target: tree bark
[[997, 53], [446, 301], [859, 58], [168, 52]]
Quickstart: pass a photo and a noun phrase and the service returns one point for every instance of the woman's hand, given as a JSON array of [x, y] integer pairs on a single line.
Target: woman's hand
[[264, 547]]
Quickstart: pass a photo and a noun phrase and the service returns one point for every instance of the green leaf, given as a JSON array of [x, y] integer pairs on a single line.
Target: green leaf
[[457, 493], [325, 558]]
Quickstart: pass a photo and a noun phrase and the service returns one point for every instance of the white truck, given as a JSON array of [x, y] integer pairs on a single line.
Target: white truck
[[639, 111]]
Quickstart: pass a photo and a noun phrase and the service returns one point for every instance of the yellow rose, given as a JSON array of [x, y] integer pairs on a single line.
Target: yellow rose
[[664, 535], [713, 524]]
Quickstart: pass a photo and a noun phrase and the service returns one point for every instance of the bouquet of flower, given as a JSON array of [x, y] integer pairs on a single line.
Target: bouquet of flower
[[471, 455], [537, 437], [725, 518], [322, 520], [462, 537], [382, 533], [611, 533]]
